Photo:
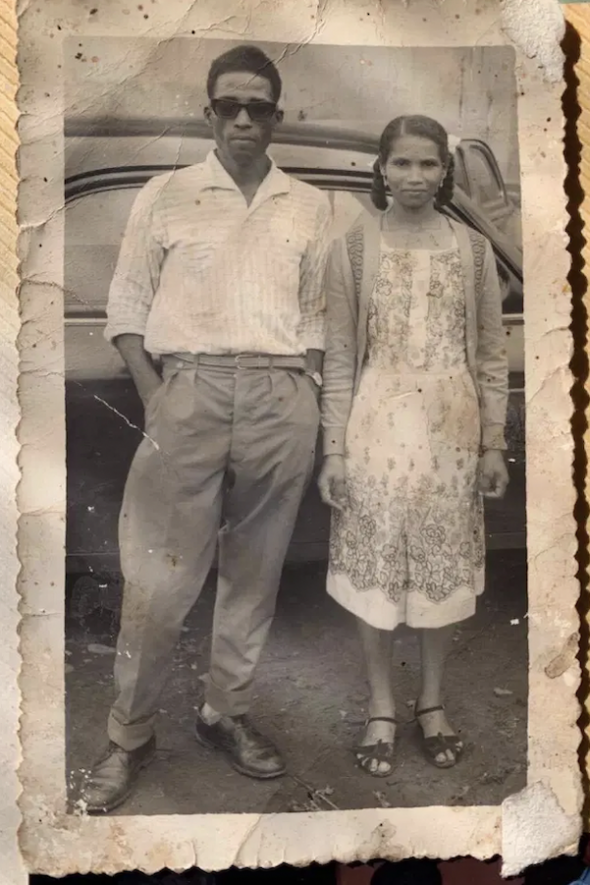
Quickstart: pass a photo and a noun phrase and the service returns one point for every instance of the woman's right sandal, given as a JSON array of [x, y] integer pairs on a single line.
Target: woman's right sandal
[[380, 752]]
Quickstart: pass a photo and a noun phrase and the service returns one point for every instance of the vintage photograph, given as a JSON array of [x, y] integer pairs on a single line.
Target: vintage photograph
[[297, 546], [296, 569]]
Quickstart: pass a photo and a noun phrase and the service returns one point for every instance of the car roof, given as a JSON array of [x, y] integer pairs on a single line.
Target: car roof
[[302, 133]]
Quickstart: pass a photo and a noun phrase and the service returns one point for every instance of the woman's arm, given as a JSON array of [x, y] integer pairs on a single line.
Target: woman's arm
[[340, 356], [491, 357]]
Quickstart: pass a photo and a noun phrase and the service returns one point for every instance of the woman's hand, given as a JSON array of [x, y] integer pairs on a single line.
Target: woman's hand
[[332, 482], [493, 475]]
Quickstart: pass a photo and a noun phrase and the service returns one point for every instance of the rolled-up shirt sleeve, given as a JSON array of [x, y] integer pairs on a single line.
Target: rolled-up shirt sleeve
[[312, 296], [137, 273]]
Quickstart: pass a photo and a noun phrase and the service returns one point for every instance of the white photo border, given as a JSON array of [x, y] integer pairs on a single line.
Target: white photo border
[[56, 843]]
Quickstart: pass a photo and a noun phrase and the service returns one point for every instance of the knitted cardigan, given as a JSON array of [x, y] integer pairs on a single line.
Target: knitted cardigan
[[352, 269]]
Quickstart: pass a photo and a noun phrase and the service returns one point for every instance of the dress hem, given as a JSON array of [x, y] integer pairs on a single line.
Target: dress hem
[[359, 611]]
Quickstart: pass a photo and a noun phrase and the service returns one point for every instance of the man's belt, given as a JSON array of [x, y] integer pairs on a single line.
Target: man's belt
[[237, 360]]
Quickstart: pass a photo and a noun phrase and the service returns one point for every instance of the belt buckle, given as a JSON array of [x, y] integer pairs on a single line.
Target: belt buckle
[[257, 360]]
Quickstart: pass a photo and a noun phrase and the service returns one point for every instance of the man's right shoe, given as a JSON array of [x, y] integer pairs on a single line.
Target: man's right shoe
[[111, 780]]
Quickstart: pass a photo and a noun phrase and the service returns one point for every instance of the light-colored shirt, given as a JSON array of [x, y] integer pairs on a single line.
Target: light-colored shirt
[[200, 271]]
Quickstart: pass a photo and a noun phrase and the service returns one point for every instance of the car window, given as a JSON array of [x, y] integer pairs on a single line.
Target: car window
[[94, 227], [486, 188], [460, 175]]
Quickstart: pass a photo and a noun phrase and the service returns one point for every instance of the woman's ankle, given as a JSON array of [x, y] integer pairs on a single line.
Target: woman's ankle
[[428, 700], [384, 708]]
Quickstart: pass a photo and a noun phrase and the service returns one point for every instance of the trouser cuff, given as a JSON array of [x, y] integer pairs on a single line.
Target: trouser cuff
[[229, 703], [132, 736]]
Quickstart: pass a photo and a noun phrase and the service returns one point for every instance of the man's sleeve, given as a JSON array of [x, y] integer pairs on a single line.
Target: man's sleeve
[[137, 273], [312, 296]]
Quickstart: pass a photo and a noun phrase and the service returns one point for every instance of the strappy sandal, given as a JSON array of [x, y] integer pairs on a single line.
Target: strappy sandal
[[382, 751], [439, 743]]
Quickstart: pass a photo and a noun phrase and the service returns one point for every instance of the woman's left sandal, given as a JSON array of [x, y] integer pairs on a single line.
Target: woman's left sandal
[[381, 752], [439, 744]]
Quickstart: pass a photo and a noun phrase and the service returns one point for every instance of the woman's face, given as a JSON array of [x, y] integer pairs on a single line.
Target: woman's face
[[414, 171]]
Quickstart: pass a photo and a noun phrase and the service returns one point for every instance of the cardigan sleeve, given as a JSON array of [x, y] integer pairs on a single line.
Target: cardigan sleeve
[[340, 357], [491, 357]]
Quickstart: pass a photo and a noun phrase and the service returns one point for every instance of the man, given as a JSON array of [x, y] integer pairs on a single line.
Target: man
[[221, 275]]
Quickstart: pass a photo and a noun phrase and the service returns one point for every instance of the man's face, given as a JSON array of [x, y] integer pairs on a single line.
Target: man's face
[[242, 134]]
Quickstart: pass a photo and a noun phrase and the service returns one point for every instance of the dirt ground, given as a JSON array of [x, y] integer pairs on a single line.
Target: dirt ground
[[311, 698]]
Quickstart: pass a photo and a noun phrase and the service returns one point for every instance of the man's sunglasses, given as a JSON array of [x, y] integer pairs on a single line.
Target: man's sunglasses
[[228, 109]]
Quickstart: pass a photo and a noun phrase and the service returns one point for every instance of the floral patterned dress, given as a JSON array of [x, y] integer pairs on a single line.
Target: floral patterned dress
[[409, 547]]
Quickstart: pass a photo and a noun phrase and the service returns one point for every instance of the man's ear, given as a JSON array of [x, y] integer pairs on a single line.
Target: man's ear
[[279, 116], [208, 115]]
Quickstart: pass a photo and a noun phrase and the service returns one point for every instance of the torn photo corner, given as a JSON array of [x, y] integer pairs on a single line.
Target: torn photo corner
[[297, 537]]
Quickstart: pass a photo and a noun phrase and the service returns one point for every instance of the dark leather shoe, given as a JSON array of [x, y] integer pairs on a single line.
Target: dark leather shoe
[[111, 780], [248, 751]]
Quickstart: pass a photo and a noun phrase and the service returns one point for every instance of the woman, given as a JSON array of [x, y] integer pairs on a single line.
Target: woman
[[413, 414]]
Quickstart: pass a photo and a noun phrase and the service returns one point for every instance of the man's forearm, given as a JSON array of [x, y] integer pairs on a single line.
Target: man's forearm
[[139, 363]]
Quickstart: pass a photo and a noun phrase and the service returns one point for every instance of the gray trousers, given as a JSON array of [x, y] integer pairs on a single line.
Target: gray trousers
[[226, 458]]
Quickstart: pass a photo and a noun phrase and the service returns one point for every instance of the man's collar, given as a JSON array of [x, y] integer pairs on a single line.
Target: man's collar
[[216, 176]]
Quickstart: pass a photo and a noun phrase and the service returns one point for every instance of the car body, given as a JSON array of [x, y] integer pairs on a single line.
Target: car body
[[107, 161]]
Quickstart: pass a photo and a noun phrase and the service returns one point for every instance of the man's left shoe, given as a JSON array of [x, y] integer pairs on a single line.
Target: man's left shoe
[[248, 751]]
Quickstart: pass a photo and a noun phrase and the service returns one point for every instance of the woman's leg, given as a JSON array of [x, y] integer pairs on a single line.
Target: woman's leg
[[435, 645], [377, 652]]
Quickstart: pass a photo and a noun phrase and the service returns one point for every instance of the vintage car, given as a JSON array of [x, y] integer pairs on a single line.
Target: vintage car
[[107, 161]]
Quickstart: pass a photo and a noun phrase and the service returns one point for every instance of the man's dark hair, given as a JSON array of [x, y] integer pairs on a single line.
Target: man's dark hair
[[250, 59]]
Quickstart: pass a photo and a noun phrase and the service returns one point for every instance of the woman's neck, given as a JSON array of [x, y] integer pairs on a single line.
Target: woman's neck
[[425, 215]]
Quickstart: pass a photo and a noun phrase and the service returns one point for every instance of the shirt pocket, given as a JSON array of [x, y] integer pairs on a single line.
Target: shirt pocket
[[288, 237], [195, 240]]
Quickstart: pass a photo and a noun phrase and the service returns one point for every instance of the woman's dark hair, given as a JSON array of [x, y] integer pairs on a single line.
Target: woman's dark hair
[[246, 58], [422, 127]]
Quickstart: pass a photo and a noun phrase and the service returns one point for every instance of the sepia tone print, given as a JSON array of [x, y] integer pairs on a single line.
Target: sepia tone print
[[406, 554], [297, 546]]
